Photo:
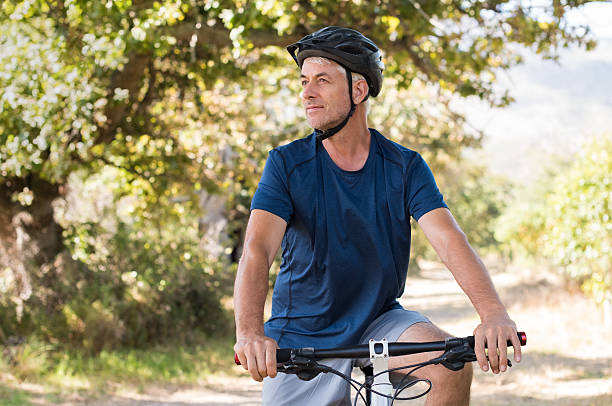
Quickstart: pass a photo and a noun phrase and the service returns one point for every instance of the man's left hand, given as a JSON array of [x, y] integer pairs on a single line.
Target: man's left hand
[[496, 331]]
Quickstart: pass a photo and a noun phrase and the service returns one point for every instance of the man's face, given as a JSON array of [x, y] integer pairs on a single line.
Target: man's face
[[324, 93]]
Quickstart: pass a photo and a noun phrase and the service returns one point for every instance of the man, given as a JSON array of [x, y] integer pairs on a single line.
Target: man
[[340, 201]]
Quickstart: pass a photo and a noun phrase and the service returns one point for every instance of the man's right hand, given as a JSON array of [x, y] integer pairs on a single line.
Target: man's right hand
[[257, 354]]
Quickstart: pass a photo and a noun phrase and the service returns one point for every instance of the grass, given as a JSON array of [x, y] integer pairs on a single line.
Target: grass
[[172, 364], [13, 397], [59, 374]]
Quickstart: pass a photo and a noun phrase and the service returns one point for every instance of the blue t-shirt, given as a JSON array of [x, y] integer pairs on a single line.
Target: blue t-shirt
[[347, 243]]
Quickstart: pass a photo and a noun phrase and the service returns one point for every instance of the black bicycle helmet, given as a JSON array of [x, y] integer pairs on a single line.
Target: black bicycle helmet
[[349, 48]]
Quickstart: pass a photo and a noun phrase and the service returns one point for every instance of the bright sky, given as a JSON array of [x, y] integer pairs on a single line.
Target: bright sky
[[557, 106]]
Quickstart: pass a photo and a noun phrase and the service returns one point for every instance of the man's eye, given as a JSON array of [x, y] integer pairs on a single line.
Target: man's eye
[[304, 83], [322, 80]]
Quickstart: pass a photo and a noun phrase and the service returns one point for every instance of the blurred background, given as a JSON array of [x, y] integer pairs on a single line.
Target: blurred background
[[133, 134]]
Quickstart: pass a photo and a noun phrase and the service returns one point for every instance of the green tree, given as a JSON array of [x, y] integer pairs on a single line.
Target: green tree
[[477, 199], [566, 218], [161, 101], [578, 223]]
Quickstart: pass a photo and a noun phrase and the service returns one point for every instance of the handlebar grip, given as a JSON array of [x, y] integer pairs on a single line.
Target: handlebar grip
[[282, 355], [522, 336]]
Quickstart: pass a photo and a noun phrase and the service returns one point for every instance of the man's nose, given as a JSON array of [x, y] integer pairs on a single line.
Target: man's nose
[[308, 91]]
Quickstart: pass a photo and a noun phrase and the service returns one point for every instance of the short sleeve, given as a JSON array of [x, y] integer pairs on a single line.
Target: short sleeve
[[423, 194], [272, 194]]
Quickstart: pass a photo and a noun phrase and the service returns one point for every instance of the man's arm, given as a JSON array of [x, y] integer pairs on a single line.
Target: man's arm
[[256, 352], [496, 327]]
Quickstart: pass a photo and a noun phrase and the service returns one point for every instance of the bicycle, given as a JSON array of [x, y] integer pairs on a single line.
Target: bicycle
[[303, 363]]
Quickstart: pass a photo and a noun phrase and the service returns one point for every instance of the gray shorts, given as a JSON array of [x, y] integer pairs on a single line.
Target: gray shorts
[[329, 389]]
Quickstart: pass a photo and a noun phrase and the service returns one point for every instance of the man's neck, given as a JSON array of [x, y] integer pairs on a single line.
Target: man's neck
[[349, 148]]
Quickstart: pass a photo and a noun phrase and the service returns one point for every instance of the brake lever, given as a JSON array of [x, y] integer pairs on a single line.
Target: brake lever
[[456, 357], [509, 362], [306, 369]]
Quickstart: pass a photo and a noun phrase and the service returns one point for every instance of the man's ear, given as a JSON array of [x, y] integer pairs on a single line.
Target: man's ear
[[360, 91]]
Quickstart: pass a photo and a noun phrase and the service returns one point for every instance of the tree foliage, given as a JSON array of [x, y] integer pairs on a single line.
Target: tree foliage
[[579, 219], [77, 74], [571, 226], [156, 104]]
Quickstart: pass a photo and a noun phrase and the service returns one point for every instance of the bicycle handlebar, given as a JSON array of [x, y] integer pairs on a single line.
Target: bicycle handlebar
[[363, 350]]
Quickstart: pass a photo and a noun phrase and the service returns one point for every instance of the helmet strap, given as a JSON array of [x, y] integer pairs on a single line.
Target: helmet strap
[[323, 134]]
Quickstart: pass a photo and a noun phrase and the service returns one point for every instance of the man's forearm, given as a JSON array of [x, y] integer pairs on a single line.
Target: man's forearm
[[471, 274], [256, 352], [250, 293]]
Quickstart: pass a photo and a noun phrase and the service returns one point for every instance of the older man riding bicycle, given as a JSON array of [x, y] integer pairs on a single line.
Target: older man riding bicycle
[[340, 201]]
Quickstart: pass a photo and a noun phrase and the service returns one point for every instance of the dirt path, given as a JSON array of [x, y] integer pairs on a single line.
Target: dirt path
[[568, 360]]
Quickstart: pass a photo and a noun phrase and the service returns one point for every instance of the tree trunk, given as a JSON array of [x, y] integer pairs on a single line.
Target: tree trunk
[[30, 239]]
